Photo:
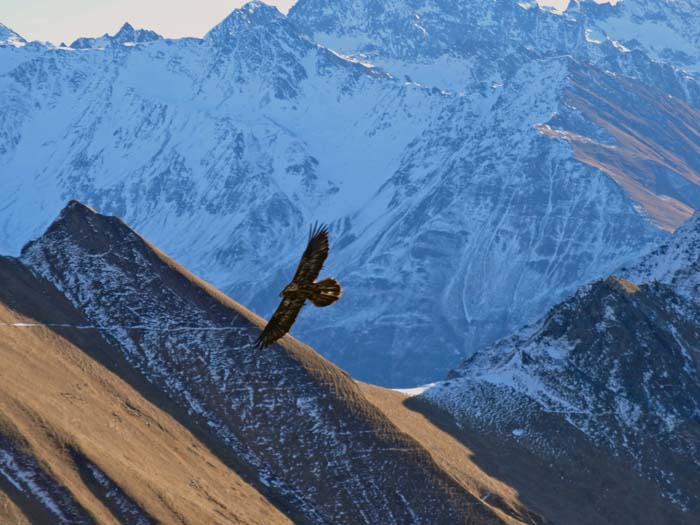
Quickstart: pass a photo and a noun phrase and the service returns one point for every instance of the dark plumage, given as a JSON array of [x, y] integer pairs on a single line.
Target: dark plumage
[[303, 286]]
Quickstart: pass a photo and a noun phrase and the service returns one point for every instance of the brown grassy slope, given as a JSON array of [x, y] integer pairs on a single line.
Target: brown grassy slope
[[405, 465], [348, 400], [451, 455], [655, 146], [60, 405], [10, 513], [395, 467]]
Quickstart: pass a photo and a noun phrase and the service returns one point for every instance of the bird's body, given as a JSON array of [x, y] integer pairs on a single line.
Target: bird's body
[[302, 288]]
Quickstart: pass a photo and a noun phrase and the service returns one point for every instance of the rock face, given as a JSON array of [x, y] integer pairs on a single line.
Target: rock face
[[126, 35], [293, 424], [615, 367], [461, 206], [9, 38]]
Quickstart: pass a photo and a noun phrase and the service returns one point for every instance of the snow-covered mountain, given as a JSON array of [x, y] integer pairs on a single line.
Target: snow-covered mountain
[[675, 262], [290, 423], [126, 35], [459, 44], [615, 367], [666, 30], [10, 38], [491, 161]]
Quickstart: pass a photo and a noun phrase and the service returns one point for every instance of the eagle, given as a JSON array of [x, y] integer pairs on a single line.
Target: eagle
[[303, 286]]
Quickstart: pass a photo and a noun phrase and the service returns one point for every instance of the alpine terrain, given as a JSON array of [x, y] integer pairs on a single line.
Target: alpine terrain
[[131, 392], [612, 372], [477, 161]]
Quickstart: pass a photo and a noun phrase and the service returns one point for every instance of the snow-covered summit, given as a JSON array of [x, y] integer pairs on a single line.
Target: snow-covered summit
[[126, 35], [479, 40], [254, 14], [258, 44], [258, 38], [9, 38]]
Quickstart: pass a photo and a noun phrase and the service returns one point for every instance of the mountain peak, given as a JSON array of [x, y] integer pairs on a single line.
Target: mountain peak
[[75, 206], [623, 285], [252, 15], [126, 35], [74, 212], [259, 8], [260, 40], [84, 226], [181, 334], [9, 38]]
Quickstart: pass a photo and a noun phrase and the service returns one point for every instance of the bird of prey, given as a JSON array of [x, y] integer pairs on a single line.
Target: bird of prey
[[323, 293]]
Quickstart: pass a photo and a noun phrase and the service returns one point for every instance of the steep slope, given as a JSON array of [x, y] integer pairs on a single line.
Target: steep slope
[[13, 51], [612, 92], [644, 138], [299, 426], [79, 444], [452, 455], [480, 241], [613, 371], [675, 263], [9, 512], [9, 38], [482, 41]]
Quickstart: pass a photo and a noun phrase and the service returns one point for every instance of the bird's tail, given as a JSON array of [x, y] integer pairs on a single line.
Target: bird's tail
[[326, 292]]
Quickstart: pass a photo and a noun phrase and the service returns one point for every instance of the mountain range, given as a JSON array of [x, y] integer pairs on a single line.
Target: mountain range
[[477, 161], [511, 194]]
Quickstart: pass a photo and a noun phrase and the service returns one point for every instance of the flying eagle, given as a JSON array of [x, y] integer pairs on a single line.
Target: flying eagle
[[322, 293]]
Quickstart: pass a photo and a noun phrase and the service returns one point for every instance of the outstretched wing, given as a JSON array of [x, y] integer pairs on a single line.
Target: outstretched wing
[[281, 322], [314, 255]]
